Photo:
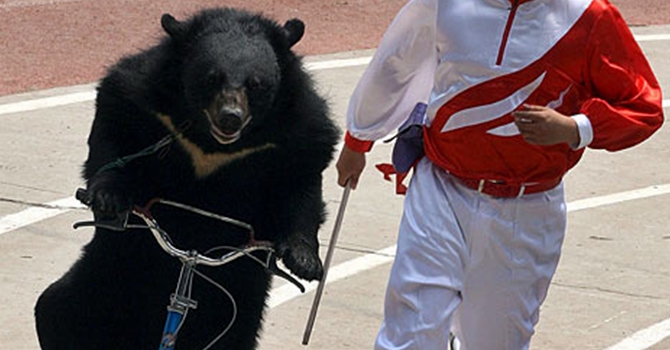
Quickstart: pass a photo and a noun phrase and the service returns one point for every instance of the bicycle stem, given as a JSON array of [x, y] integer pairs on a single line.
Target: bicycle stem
[[180, 302]]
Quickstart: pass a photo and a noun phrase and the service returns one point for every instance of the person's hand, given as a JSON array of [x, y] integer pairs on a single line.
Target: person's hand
[[544, 126], [350, 165]]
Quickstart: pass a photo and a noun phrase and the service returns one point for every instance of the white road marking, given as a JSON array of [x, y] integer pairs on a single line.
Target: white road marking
[[86, 96], [47, 102], [652, 37], [614, 198], [28, 3], [645, 338], [342, 63], [30, 216]]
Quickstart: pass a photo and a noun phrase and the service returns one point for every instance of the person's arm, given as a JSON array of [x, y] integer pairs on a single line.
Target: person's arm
[[627, 104], [400, 75]]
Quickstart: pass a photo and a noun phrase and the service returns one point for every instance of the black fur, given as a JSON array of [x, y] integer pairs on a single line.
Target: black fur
[[115, 296]]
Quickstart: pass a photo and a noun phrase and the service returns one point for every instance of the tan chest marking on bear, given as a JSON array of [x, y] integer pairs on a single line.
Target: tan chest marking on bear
[[204, 164]]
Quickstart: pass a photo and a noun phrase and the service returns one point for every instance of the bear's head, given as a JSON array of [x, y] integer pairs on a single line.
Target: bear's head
[[231, 67]]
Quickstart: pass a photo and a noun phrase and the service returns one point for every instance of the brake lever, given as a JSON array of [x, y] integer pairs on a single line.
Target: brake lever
[[272, 267]]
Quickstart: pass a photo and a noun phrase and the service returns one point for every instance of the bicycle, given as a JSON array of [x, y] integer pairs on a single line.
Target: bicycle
[[181, 301]]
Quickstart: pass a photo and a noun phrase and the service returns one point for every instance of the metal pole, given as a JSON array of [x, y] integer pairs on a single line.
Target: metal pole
[[326, 264]]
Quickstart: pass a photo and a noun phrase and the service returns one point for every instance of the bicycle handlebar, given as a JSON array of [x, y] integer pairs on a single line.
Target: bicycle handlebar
[[120, 223], [197, 258]]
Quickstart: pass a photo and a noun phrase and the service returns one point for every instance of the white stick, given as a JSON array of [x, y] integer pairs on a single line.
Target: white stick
[[326, 264]]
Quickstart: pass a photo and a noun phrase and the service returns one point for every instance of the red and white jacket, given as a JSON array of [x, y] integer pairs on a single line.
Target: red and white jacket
[[476, 61]]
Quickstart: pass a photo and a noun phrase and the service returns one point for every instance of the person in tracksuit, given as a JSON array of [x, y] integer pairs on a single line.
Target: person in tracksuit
[[515, 91]]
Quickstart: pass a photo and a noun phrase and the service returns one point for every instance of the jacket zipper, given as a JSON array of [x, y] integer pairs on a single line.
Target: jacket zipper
[[508, 28]]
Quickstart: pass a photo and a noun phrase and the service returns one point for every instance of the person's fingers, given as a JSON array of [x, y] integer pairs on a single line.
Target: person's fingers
[[350, 165], [353, 182], [342, 179], [533, 108], [527, 116], [523, 124], [530, 113]]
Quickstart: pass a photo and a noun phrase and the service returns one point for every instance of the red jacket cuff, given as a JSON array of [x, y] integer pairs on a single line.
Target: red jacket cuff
[[357, 145]]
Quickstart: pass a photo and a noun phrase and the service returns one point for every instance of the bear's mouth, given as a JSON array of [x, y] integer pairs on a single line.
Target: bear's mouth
[[227, 128]]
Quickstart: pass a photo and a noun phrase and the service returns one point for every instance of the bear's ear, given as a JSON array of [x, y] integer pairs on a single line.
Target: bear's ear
[[294, 30], [173, 27]]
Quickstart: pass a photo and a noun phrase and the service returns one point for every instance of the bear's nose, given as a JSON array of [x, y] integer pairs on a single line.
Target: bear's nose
[[229, 121]]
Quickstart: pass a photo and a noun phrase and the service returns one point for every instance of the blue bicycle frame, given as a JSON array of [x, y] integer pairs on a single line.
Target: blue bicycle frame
[[180, 303]]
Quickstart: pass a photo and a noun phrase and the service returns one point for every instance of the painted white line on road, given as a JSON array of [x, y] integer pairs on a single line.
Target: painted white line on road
[[86, 96], [30, 216], [47, 102], [645, 338], [343, 63], [29, 3], [652, 37], [593, 202], [666, 103]]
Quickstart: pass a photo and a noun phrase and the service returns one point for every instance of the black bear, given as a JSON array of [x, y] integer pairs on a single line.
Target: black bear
[[250, 139]]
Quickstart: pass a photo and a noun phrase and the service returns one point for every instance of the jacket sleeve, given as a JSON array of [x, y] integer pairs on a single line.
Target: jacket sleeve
[[400, 74], [626, 103]]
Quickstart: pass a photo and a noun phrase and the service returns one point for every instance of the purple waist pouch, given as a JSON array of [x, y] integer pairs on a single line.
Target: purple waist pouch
[[408, 146]]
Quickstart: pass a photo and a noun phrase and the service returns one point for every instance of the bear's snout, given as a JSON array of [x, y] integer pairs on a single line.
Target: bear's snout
[[230, 121], [228, 114]]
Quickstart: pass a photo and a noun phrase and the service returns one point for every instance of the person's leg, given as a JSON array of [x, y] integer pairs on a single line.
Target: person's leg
[[515, 250], [423, 289]]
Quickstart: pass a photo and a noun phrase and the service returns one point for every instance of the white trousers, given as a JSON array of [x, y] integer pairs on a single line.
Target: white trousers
[[484, 263]]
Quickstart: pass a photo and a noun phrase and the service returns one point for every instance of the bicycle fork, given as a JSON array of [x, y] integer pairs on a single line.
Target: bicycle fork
[[180, 302]]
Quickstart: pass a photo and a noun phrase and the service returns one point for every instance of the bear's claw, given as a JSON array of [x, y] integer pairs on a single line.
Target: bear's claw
[[303, 261]]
